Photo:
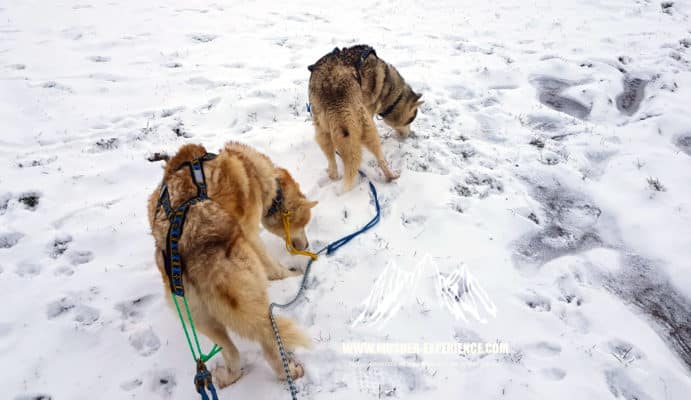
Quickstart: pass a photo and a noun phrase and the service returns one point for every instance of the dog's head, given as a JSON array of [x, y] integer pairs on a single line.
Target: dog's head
[[404, 112], [299, 208]]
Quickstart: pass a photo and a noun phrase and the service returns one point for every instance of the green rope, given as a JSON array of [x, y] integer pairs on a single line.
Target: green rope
[[204, 357], [194, 331]]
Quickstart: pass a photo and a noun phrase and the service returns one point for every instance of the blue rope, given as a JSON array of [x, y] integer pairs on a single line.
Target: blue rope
[[212, 389], [335, 245], [330, 248], [203, 379]]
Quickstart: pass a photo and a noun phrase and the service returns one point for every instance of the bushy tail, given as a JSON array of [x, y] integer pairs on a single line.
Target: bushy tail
[[291, 335]]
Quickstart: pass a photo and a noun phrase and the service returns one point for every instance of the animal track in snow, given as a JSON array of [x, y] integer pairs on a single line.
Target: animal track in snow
[[630, 99], [684, 143], [8, 240], [41, 396], [163, 382], [622, 386], [28, 269], [624, 351], [550, 95], [131, 310], [145, 342], [99, 59], [131, 384], [545, 349], [554, 374], [86, 315], [203, 37], [568, 226], [80, 257], [60, 307], [30, 200], [537, 302], [542, 122], [60, 245]]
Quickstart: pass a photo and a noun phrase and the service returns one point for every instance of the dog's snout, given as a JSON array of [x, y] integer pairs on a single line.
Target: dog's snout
[[300, 244]]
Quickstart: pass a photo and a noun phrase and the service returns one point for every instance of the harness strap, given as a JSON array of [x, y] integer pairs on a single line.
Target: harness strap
[[277, 202], [390, 108], [172, 259], [174, 265]]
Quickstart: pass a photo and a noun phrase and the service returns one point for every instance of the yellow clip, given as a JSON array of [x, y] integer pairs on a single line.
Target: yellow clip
[[289, 243]]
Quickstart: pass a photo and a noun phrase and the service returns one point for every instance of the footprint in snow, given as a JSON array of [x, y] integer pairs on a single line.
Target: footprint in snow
[[86, 315], [145, 342], [80, 257], [543, 123], [630, 99], [132, 310], [624, 351], [8, 240], [684, 143], [63, 271], [60, 245], [550, 88], [28, 269], [554, 374], [163, 382], [537, 302], [30, 200], [203, 37], [57, 308], [5, 329], [131, 384], [545, 349], [575, 320], [622, 386], [99, 59]]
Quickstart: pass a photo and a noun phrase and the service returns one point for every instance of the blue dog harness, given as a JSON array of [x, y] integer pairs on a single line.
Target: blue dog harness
[[175, 266]]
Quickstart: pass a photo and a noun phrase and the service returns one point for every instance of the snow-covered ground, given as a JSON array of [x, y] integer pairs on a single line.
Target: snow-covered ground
[[550, 167]]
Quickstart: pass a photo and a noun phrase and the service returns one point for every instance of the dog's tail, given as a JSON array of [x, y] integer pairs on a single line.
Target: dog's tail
[[158, 156], [291, 336]]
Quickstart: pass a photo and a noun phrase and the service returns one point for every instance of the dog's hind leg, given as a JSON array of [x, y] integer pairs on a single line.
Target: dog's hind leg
[[323, 138], [372, 142], [214, 330], [238, 299], [348, 145]]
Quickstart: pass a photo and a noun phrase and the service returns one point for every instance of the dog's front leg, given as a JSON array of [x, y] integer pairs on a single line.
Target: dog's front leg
[[274, 269]]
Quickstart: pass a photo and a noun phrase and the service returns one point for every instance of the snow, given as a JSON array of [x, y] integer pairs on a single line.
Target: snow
[[531, 174]]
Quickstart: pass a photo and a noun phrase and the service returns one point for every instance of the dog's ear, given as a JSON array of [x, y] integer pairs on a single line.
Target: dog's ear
[[311, 204], [416, 98]]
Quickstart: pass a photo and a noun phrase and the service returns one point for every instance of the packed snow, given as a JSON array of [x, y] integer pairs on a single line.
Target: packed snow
[[544, 201]]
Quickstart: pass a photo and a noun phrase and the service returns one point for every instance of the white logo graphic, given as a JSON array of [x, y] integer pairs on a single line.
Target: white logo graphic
[[459, 292]]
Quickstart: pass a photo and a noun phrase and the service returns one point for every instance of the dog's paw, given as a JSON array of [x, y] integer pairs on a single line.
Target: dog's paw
[[296, 370], [282, 273], [333, 174], [223, 377], [295, 271], [393, 176]]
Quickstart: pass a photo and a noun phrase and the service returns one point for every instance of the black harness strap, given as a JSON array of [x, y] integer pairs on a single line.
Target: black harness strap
[[277, 202], [390, 108], [174, 265]]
